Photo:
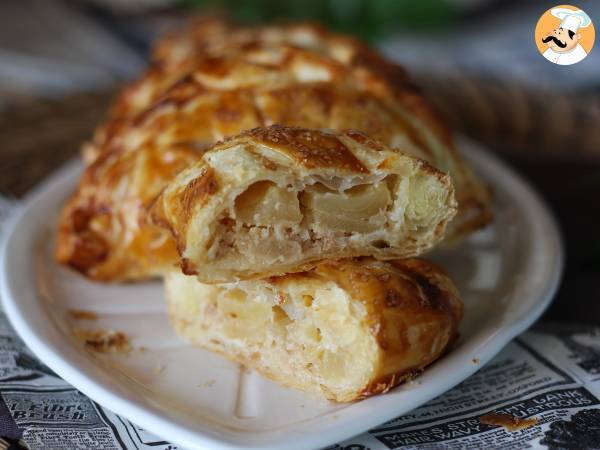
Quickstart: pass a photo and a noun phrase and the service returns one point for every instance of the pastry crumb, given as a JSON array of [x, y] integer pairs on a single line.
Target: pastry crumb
[[160, 369], [81, 314], [104, 341], [510, 423], [475, 360], [143, 349]]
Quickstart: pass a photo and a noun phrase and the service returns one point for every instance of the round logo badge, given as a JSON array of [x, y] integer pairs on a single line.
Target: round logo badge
[[565, 35]]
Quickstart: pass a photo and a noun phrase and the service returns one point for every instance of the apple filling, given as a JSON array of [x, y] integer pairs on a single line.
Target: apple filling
[[361, 209], [265, 204], [269, 224], [304, 329], [358, 209]]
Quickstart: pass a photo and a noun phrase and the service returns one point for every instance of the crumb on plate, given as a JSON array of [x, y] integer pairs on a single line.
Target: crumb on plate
[[104, 341], [81, 314]]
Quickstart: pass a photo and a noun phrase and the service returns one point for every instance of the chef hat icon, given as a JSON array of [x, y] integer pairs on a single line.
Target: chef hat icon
[[571, 19]]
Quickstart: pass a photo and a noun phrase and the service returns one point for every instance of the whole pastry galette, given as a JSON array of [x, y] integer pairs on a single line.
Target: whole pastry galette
[[216, 80], [282, 180]]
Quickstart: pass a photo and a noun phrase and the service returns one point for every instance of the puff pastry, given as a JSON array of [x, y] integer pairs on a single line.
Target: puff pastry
[[215, 80], [276, 200], [314, 54], [344, 330]]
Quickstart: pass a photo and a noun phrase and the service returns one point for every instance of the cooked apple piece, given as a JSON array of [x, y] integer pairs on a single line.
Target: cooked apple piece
[[423, 197], [358, 202], [358, 209], [265, 203]]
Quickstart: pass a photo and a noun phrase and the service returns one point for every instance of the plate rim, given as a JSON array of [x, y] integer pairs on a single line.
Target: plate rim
[[181, 434]]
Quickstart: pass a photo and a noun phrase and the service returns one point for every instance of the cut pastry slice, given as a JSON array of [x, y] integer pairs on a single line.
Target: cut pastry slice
[[278, 199], [345, 330]]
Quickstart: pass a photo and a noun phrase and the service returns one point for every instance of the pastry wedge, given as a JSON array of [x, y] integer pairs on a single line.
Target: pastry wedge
[[344, 330], [277, 200]]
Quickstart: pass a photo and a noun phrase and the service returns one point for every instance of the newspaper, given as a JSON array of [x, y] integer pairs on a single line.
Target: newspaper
[[547, 379], [550, 374]]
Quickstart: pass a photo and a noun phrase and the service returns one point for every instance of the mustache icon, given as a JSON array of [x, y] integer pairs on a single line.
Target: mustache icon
[[555, 40]]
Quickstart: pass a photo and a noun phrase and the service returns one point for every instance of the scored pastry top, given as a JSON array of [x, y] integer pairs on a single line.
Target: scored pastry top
[[215, 49]]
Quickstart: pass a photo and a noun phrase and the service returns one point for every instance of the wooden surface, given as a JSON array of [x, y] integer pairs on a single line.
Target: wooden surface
[[39, 136]]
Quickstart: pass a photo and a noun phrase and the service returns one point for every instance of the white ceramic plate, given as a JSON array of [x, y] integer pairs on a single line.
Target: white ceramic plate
[[507, 275]]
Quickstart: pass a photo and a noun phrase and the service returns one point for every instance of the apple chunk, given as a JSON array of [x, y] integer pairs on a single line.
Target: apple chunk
[[265, 204], [358, 209]]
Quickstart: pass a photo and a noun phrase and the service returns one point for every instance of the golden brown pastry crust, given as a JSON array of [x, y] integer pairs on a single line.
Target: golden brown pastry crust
[[278, 199], [215, 80], [407, 315], [104, 231], [209, 44]]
